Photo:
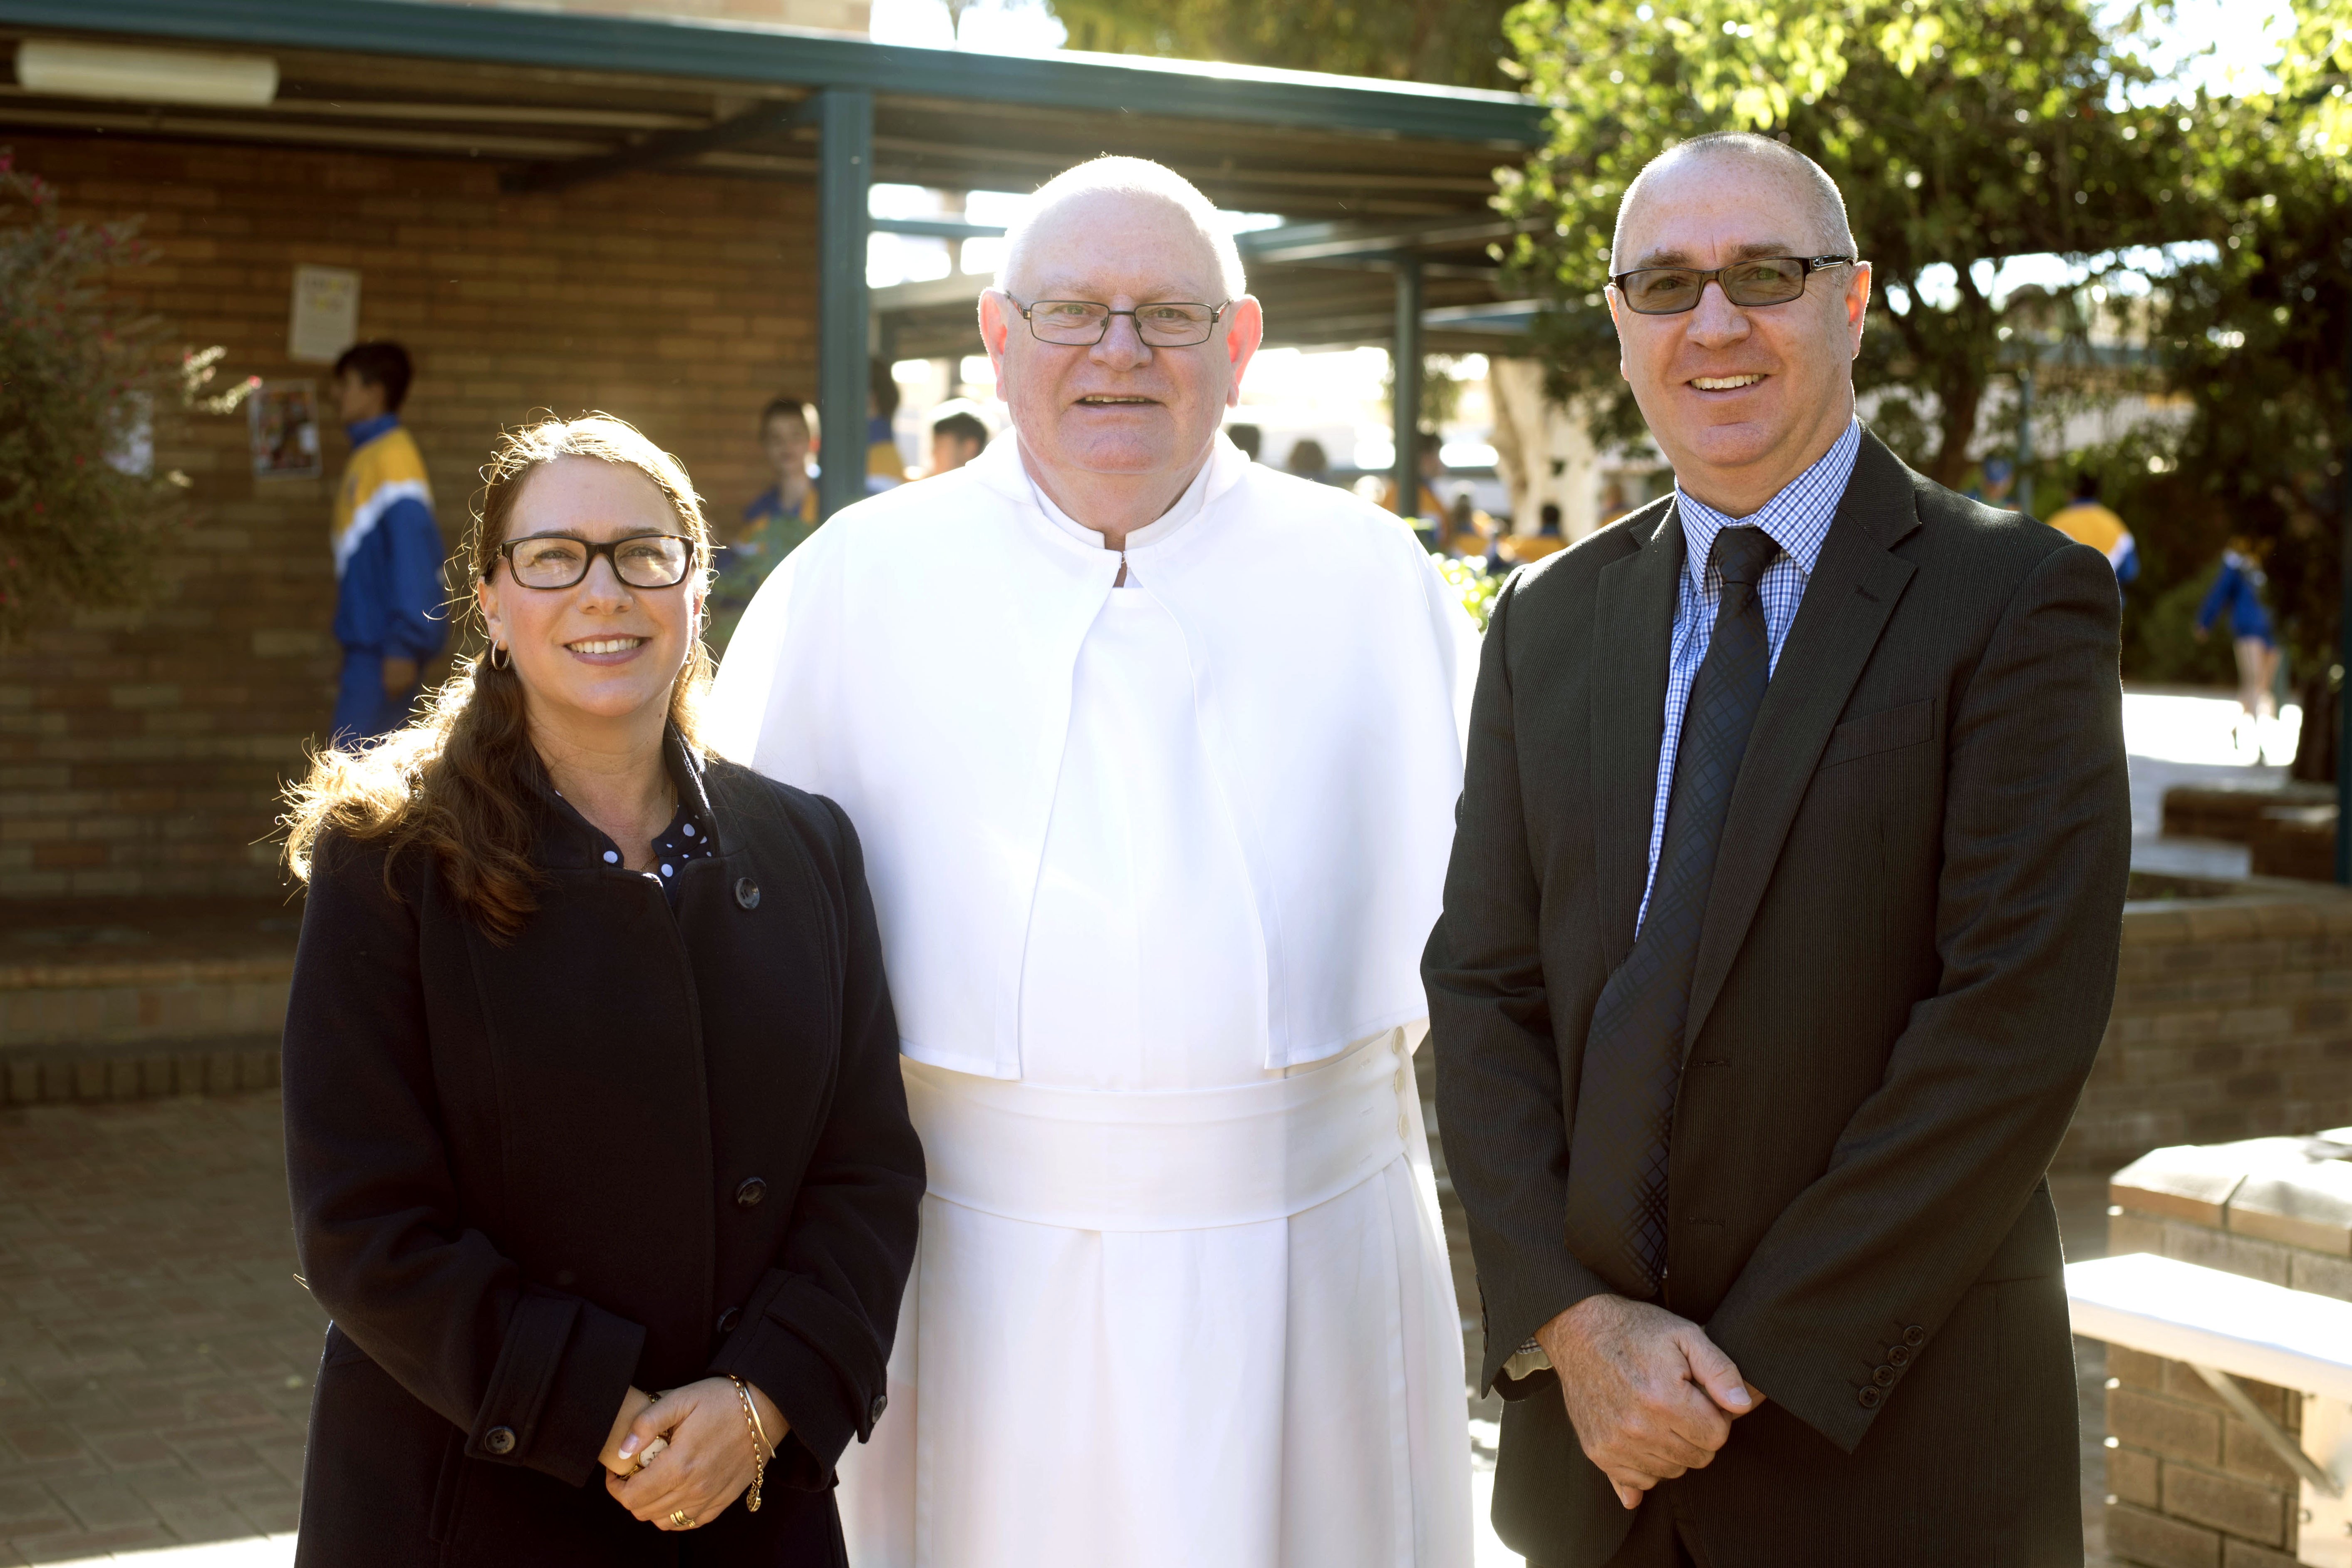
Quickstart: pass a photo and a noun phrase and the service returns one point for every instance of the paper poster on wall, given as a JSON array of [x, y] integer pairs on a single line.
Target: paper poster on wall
[[325, 320], [284, 421]]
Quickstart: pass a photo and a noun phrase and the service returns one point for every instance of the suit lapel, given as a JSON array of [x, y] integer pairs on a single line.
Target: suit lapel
[[1852, 591], [1633, 633]]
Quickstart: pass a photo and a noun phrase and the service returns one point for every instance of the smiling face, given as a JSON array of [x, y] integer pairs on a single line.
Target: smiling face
[[1740, 400], [599, 651], [1120, 408]]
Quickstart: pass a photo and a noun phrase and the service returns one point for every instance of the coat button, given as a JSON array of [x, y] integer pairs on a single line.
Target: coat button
[[1871, 1398], [747, 893], [728, 1318], [748, 1194], [873, 1411], [1899, 1356], [500, 1439], [1884, 1376], [1915, 1336]]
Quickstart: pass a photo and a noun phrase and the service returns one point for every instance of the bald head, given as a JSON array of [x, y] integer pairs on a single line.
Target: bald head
[[1096, 202], [1813, 194]]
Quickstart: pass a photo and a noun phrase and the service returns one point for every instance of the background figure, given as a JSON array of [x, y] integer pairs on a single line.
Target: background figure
[[1308, 462], [2000, 479], [388, 550], [1545, 540], [1249, 438], [774, 525], [1427, 511], [2086, 522], [2237, 591], [884, 466], [956, 439]]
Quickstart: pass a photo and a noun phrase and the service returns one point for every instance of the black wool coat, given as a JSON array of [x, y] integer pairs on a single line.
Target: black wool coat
[[630, 1146], [1906, 967]]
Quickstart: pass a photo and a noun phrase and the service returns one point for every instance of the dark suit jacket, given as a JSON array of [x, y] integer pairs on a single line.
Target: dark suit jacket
[[519, 1177], [1907, 963]]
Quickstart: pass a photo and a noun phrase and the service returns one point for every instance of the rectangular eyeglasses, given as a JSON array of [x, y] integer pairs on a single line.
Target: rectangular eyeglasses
[[1082, 324], [1761, 281], [560, 560]]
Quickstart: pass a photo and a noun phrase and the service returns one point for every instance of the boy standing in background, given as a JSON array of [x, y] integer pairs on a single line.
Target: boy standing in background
[[388, 550]]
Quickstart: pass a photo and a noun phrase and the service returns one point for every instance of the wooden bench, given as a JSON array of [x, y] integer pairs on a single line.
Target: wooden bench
[[2226, 1326]]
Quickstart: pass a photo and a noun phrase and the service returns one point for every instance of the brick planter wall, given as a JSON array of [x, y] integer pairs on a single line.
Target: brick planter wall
[[2190, 1484], [2232, 1019]]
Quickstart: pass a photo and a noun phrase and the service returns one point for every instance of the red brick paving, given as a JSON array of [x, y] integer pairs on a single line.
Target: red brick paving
[[155, 1352]]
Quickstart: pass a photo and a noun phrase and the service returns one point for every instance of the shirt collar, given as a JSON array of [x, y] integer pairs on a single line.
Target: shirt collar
[[1187, 506], [577, 842], [367, 430], [1798, 519]]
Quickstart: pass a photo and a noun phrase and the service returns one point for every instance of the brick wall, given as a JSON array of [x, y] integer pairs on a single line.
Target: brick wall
[[139, 753], [2232, 1019], [2190, 1484]]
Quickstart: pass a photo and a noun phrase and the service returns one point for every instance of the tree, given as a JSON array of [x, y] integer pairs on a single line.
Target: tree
[[79, 376], [1457, 43], [1961, 132]]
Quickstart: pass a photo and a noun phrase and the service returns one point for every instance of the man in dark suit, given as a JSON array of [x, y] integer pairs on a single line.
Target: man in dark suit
[[1779, 939]]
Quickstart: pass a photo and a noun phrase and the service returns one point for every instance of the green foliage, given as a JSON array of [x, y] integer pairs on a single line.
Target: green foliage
[[1458, 43], [1476, 585], [1960, 131], [78, 377]]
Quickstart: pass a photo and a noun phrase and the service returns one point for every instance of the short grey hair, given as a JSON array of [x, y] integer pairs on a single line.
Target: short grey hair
[[1827, 206], [1127, 177]]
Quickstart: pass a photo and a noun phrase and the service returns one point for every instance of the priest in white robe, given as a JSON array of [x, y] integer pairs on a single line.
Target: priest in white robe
[[1154, 754]]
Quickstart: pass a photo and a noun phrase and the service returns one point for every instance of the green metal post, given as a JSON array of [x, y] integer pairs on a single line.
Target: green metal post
[[2025, 438], [2344, 651], [1405, 397], [845, 177]]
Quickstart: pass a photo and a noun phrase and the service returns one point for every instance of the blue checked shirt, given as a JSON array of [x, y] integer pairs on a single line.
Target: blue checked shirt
[[1798, 519]]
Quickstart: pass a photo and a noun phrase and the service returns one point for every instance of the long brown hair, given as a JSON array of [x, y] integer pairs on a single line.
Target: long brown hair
[[455, 782]]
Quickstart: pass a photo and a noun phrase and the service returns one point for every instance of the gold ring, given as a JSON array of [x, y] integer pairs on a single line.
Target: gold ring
[[678, 1517]]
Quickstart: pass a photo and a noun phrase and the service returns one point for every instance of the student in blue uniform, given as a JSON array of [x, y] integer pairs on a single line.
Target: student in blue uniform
[[388, 548]]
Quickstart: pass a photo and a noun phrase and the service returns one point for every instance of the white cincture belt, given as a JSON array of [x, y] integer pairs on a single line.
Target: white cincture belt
[[1173, 1159]]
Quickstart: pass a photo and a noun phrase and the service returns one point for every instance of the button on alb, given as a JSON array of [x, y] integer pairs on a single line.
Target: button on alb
[[748, 1194]]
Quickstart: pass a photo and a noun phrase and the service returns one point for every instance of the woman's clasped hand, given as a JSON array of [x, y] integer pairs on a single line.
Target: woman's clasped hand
[[680, 1460]]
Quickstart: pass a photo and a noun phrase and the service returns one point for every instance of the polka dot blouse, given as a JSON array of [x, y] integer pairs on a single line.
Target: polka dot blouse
[[688, 838]]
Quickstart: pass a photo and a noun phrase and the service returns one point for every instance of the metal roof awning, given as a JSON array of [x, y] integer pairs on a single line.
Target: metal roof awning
[[1376, 180]]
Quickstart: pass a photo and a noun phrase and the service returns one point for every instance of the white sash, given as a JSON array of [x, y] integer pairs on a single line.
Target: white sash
[[1168, 1160]]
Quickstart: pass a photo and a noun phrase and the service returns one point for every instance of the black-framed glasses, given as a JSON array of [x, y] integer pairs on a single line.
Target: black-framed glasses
[[1082, 324], [1760, 280], [561, 559]]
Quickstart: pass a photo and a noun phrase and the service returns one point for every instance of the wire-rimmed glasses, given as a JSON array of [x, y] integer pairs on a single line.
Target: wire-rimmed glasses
[[1082, 324], [560, 560]]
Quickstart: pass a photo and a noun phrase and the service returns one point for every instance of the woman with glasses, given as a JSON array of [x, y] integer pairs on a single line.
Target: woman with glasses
[[599, 1154]]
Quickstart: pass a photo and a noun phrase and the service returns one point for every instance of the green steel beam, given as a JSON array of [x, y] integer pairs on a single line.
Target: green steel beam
[[845, 183], [1404, 392], [668, 147], [1099, 84]]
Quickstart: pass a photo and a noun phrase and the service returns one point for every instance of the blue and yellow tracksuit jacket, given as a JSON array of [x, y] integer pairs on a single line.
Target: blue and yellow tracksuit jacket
[[388, 550]]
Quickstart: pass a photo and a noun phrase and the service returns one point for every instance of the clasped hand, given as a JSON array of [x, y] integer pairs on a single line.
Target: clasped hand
[[1650, 1395], [686, 1453]]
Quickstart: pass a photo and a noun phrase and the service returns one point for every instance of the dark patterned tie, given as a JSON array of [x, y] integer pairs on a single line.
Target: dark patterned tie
[[1634, 1052]]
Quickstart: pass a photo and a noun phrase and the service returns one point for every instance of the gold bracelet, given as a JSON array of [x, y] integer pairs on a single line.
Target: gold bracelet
[[751, 1425]]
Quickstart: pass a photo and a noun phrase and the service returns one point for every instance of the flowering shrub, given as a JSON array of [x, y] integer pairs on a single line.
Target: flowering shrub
[[1476, 585], [81, 379]]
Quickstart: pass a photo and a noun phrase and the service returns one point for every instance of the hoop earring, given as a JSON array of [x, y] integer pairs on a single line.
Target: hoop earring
[[496, 648]]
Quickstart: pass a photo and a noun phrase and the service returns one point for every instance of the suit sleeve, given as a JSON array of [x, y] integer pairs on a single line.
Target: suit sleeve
[[413, 624], [816, 1337], [534, 1375], [1491, 1028], [1936, 1166]]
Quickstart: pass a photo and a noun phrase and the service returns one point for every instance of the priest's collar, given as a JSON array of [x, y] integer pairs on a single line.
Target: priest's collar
[[1188, 507]]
